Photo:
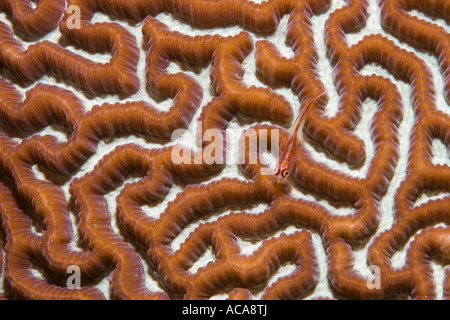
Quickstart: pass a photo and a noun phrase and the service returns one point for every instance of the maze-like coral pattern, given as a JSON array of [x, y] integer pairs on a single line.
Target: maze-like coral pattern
[[128, 245]]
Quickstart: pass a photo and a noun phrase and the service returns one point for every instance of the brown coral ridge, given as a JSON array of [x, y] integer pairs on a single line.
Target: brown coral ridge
[[426, 36], [40, 109], [231, 271], [199, 202], [44, 57], [34, 23], [429, 123]]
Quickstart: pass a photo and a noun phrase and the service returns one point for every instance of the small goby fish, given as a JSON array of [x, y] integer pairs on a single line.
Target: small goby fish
[[295, 135]]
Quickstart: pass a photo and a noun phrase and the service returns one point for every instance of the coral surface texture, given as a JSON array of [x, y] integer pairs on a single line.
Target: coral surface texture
[[114, 115]]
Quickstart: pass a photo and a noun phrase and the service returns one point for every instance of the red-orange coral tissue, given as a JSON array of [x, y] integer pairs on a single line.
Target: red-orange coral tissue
[[56, 214]]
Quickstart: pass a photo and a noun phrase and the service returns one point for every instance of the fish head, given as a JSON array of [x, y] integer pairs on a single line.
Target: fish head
[[281, 172]]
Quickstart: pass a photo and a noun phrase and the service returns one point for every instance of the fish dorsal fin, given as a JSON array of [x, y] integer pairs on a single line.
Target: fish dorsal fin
[[297, 127]]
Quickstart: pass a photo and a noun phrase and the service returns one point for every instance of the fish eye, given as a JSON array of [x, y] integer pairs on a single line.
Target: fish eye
[[277, 171], [285, 173]]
